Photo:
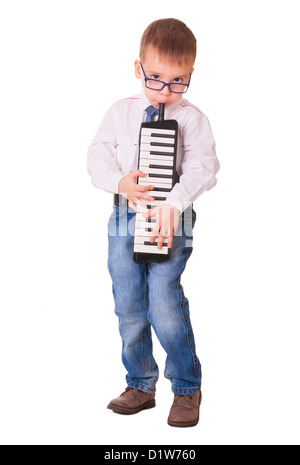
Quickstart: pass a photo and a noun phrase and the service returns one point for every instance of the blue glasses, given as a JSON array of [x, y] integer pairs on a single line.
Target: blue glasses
[[155, 84]]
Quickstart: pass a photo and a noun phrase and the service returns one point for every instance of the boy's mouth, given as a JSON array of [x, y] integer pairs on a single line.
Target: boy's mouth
[[161, 101]]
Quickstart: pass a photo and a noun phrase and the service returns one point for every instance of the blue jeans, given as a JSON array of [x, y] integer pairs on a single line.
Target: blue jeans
[[151, 296]]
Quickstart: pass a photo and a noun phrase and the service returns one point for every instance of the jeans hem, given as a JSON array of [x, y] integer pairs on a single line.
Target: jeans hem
[[142, 387], [185, 391]]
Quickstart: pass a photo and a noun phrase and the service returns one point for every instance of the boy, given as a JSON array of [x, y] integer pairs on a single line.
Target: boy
[[150, 295]]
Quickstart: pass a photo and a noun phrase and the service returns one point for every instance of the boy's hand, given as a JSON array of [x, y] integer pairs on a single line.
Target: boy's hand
[[167, 219], [135, 192]]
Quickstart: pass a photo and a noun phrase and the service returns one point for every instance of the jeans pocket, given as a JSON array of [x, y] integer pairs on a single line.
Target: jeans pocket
[[118, 212]]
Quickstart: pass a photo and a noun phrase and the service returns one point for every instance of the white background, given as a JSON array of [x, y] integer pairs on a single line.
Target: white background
[[63, 64]]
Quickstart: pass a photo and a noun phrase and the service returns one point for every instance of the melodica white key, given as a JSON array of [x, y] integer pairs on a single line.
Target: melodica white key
[[157, 158]]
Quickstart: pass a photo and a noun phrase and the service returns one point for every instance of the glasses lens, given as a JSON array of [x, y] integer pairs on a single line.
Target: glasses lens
[[178, 88], [154, 84]]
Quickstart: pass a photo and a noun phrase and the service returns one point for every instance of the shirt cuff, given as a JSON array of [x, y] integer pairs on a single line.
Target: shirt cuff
[[181, 206]]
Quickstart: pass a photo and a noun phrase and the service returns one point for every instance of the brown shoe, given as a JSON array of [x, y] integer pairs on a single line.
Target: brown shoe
[[132, 401], [185, 410]]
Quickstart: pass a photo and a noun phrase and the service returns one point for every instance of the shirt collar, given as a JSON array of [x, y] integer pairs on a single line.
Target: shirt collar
[[169, 111]]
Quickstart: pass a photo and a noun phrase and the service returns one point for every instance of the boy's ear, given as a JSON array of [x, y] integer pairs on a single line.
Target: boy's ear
[[137, 69]]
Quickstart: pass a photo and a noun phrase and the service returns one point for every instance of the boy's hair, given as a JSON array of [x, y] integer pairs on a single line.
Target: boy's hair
[[173, 40]]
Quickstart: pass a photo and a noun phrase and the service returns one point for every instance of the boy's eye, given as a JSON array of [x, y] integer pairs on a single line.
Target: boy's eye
[[177, 80], [155, 76]]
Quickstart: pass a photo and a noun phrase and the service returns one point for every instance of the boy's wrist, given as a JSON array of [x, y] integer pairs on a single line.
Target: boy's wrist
[[120, 189]]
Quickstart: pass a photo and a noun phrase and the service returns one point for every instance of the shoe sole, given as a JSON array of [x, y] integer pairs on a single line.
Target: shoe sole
[[183, 425], [127, 411]]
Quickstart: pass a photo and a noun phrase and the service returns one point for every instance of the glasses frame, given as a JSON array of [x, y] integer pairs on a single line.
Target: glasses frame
[[164, 84]]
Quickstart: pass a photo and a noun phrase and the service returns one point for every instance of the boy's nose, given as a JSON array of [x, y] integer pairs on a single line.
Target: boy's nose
[[165, 91]]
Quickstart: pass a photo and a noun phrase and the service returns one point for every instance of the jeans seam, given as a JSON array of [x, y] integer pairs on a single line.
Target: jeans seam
[[146, 288], [166, 367], [144, 334], [144, 343], [186, 323]]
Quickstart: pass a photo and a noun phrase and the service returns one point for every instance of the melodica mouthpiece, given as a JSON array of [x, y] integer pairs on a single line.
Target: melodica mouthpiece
[[161, 112]]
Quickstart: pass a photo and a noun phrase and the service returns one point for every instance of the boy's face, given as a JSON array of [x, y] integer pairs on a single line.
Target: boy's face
[[157, 68]]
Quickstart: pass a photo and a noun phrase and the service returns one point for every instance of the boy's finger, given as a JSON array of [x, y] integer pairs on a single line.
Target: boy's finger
[[144, 188], [147, 197], [149, 213], [155, 233], [153, 237], [137, 173], [160, 240], [170, 241], [139, 202]]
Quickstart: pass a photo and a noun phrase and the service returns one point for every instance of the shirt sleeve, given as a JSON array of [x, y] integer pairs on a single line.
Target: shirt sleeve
[[199, 165], [102, 163]]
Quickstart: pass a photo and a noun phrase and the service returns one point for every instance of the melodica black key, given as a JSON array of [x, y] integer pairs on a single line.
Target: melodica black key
[[157, 158]]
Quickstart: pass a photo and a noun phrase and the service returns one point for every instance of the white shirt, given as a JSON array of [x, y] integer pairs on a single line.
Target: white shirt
[[113, 152]]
